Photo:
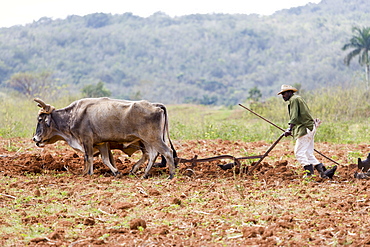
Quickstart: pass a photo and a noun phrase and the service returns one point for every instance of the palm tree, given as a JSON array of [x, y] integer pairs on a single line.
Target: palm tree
[[361, 44]]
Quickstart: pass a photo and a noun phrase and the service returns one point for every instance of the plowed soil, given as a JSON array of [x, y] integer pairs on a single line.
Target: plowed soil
[[46, 201]]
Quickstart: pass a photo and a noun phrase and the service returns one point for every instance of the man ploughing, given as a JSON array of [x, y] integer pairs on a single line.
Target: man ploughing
[[302, 126]]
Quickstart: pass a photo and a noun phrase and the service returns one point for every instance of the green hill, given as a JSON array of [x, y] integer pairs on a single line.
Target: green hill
[[201, 59]]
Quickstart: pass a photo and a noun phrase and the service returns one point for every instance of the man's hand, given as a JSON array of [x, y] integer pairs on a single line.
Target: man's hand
[[288, 132]]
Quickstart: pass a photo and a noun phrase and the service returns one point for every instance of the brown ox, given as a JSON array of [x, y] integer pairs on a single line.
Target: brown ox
[[101, 124]]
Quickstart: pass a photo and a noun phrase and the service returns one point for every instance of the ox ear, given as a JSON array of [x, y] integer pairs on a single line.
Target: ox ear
[[48, 120]]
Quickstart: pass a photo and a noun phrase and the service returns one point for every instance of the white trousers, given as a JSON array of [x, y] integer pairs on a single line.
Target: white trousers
[[304, 149]]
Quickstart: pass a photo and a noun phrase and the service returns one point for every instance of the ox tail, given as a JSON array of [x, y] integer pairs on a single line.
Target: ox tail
[[167, 132]]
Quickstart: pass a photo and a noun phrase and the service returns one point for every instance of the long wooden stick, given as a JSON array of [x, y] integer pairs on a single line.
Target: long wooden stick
[[284, 131]]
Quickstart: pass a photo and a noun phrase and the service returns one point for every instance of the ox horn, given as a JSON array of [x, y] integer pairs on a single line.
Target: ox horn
[[45, 108], [40, 102]]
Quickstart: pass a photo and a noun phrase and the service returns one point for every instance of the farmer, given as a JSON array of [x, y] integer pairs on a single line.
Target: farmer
[[302, 127]]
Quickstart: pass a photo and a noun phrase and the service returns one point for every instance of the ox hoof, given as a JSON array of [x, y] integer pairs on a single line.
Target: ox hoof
[[171, 176], [117, 174]]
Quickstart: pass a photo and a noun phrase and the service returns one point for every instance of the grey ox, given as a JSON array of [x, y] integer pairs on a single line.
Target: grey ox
[[94, 125]]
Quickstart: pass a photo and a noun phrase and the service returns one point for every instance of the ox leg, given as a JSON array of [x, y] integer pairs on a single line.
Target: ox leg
[[164, 150], [138, 164], [152, 157], [171, 164], [168, 155], [111, 159], [89, 160], [107, 158]]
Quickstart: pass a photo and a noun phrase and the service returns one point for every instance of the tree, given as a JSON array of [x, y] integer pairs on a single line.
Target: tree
[[360, 42], [97, 20], [97, 90], [33, 84], [254, 94]]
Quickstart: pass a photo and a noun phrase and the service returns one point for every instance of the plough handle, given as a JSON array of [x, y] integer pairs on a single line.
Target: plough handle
[[262, 118], [284, 131], [266, 154]]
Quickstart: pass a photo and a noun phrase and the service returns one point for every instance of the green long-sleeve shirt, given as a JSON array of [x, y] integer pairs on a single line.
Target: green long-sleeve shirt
[[300, 116]]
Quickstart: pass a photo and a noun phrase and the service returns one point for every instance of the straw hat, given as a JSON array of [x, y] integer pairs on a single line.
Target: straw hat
[[285, 88]]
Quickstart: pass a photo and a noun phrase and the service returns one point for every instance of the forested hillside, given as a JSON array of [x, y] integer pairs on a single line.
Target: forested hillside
[[206, 59]]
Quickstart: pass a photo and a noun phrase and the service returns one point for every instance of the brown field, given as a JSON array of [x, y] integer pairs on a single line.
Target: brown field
[[46, 202]]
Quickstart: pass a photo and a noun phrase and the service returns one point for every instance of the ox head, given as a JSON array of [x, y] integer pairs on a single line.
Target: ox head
[[43, 130]]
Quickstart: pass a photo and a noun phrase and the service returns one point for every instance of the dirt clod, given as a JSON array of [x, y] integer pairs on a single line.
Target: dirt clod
[[176, 201], [89, 222], [136, 223]]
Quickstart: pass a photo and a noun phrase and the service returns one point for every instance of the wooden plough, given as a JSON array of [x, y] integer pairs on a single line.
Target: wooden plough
[[195, 160]]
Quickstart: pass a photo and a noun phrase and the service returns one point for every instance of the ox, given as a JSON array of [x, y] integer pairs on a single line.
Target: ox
[[101, 124]]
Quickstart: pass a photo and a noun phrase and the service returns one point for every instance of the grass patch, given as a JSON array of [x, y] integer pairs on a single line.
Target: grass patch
[[345, 114]]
